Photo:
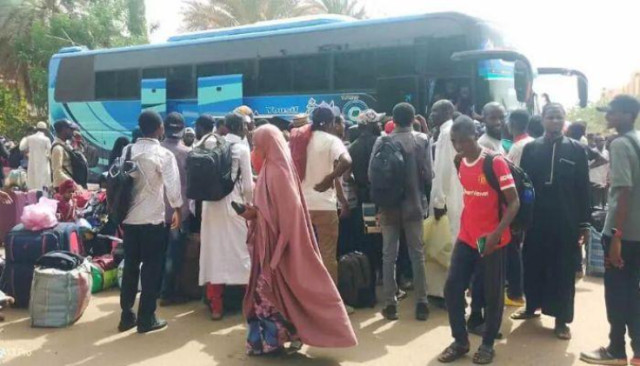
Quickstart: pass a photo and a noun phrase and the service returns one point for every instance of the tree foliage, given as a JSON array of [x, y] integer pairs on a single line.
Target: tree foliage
[[594, 119], [208, 14], [14, 115], [34, 30]]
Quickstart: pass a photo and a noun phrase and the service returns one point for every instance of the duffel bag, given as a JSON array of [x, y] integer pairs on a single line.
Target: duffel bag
[[189, 273], [24, 246], [59, 298]]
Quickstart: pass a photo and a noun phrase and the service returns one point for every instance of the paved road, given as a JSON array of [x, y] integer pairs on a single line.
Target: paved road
[[192, 339]]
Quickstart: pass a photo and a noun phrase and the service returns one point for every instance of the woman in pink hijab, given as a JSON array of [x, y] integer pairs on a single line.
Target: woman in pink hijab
[[290, 296]]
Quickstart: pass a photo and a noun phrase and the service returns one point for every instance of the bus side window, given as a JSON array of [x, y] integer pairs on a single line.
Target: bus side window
[[180, 83], [275, 75], [106, 85]]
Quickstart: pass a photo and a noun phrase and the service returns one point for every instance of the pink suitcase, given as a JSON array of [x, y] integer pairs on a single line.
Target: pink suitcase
[[10, 214]]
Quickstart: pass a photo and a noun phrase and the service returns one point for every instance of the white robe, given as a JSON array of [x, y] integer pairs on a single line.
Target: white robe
[[38, 146], [446, 191], [224, 256]]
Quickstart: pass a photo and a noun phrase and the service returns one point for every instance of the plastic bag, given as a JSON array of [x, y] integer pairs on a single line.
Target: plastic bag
[[437, 240], [41, 215]]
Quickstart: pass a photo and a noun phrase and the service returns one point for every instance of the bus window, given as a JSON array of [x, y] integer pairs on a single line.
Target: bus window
[[355, 70], [180, 83], [275, 75], [213, 69], [155, 73], [311, 73], [106, 85], [248, 72], [397, 61], [75, 80], [128, 84]]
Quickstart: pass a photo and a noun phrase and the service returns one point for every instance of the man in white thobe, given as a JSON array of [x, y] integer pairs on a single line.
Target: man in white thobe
[[446, 193], [38, 146]]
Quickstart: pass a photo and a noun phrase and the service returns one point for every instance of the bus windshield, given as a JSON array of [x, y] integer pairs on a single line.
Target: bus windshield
[[495, 83]]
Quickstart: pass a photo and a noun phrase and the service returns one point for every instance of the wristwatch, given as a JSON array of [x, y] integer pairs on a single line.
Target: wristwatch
[[616, 233]]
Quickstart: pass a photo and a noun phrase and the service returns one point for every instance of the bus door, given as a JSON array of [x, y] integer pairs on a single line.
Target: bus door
[[154, 95], [393, 90], [217, 95]]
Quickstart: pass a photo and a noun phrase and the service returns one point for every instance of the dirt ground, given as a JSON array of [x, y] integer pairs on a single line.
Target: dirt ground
[[193, 339]]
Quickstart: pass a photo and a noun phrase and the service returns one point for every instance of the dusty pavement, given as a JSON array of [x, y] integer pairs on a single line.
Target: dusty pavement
[[192, 339]]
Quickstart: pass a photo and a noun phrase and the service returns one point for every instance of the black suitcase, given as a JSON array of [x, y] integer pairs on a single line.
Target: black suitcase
[[16, 282]]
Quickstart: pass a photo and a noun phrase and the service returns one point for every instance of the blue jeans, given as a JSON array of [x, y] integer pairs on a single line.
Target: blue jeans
[[173, 260]]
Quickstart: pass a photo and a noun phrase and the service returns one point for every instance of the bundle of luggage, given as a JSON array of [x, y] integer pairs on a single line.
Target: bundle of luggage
[[24, 248], [595, 250], [104, 273], [61, 289]]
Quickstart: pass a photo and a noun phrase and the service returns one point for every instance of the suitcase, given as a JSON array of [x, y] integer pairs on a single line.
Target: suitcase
[[24, 246], [188, 277], [355, 280], [16, 282], [10, 214]]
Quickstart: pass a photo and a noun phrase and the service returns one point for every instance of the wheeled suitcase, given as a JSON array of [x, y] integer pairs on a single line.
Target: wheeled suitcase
[[16, 282], [25, 246]]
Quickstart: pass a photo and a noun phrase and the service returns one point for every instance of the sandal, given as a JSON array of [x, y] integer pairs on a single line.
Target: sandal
[[523, 314], [484, 356], [453, 352], [563, 333]]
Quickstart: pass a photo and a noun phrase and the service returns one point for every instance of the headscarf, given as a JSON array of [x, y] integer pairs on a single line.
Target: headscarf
[[285, 253]]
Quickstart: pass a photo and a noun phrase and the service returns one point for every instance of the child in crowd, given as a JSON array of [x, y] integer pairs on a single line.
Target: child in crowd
[[66, 202]]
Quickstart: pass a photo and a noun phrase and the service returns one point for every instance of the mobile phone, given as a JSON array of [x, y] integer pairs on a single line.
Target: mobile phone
[[239, 208]]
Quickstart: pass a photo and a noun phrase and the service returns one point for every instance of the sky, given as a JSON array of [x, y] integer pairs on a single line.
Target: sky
[[595, 37]]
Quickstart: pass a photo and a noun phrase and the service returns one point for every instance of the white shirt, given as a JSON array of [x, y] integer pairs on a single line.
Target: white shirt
[[600, 175], [158, 174], [323, 151], [490, 143], [515, 154], [39, 170]]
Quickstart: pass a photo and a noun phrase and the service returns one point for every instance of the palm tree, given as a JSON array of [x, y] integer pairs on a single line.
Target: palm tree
[[208, 14], [350, 8]]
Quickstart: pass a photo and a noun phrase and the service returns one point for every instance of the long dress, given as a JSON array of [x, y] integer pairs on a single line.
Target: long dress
[[39, 169], [446, 191], [290, 295], [224, 257], [560, 174]]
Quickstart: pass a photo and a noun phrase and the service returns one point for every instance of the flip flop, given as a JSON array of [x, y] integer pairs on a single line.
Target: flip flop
[[484, 356], [524, 315], [452, 353]]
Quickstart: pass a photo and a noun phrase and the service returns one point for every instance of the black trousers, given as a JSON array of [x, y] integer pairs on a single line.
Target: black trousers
[[622, 297], [146, 245], [465, 262]]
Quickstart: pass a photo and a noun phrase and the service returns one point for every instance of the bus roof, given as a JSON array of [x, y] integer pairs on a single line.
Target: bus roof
[[264, 31]]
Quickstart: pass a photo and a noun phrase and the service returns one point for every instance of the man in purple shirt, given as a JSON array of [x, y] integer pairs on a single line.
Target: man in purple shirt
[[174, 129]]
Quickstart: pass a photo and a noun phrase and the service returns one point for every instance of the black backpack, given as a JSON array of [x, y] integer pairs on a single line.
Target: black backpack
[[120, 186], [79, 166], [524, 186], [388, 165], [60, 259], [209, 171], [355, 280]]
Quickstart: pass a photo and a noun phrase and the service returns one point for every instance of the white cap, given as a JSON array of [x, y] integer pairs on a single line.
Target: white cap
[[41, 125]]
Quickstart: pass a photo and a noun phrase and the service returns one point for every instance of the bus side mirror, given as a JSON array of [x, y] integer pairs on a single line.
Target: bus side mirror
[[522, 80], [583, 91]]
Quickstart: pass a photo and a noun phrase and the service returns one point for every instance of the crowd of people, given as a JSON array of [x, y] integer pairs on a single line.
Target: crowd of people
[[298, 203]]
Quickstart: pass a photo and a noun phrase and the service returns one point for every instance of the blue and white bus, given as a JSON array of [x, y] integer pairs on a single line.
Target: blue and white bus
[[283, 68]]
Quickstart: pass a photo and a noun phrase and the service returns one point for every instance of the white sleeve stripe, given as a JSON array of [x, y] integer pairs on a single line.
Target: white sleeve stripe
[[512, 185]]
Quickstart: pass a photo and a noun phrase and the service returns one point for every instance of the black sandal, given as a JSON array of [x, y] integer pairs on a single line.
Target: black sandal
[[454, 352], [484, 356], [563, 333]]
